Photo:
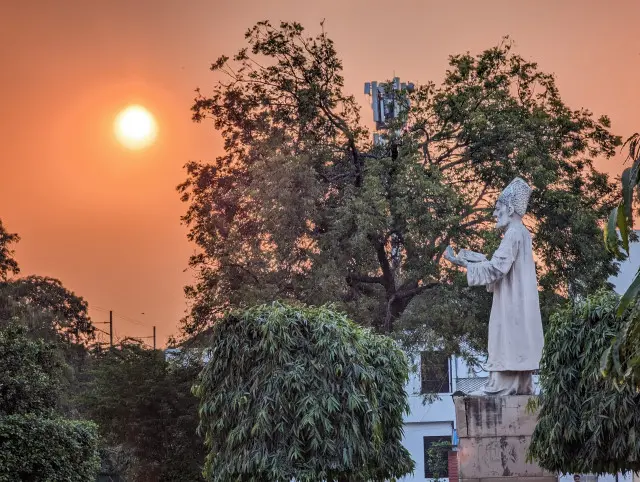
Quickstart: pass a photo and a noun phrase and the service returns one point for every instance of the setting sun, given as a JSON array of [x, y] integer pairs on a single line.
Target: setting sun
[[135, 127]]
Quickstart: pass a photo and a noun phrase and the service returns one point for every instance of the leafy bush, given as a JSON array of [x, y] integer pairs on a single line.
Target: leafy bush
[[30, 373], [587, 422], [43, 449], [35, 445], [302, 393]]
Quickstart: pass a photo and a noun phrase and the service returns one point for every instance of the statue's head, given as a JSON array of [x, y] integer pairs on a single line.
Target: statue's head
[[512, 203]]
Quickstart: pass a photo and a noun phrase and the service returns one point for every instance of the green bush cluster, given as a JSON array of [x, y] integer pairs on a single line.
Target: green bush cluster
[[587, 421], [302, 393], [36, 444], [47, 449]]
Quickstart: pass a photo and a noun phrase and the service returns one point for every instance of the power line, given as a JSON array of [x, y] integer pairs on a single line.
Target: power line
[[126, 318], [119, 315], [102, 331], [129, 319]]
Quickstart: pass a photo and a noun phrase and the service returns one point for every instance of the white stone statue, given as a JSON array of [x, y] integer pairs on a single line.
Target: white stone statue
[[515, 326]]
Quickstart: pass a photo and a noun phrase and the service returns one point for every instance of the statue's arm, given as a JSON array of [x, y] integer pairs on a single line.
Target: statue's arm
[[471, 256], [450, 255], [464, 257], [487, 273]]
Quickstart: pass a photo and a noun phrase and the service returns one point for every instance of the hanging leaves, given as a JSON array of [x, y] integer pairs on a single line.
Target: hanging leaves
[[621, 218], [584, 418], [291, 392]]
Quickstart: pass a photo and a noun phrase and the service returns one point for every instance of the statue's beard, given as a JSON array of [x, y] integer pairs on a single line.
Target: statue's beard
[[502, 224]]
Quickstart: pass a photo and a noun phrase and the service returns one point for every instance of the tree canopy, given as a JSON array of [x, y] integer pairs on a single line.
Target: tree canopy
[[8, 264], [622, 360], [41, 303], [302, 206], [31, 373], [48, 308], [587, 423], [296, 393]]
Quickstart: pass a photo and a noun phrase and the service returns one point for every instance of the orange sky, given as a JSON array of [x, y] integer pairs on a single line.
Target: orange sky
[[105, 220]]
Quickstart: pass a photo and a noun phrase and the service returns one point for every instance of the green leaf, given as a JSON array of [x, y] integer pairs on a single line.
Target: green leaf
[[610, 237], [309, 406], [604, 361], [584, 417], [623, 226], [630, 295], [628, 183]]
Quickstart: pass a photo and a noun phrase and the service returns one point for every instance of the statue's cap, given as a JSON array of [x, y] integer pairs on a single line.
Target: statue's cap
[[516, 194]]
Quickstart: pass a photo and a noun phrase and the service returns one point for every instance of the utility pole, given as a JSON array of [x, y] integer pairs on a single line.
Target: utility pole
[[154, 337], [110, 329]]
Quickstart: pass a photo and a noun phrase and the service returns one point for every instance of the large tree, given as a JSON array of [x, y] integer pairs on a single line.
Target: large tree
[[43, 304], [49, 309], [301, 205], [297, 393]]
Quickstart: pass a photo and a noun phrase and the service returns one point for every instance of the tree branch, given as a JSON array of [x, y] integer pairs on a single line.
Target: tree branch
[[449, 151], [415, 291], [387, 273], [359, 278], [351, 142]]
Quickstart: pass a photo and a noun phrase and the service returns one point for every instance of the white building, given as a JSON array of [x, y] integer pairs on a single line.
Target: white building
[[434, 421]]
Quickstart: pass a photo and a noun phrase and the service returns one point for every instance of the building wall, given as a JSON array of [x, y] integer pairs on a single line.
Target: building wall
[[425, 420], [413, 441]]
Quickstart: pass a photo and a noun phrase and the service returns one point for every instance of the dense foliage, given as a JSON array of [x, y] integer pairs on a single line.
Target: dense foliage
[[621, 217], [623, 357], [31, 373], [301, 205], [300, 393], [50, 310], [42, 304], [50, 368], [43, 449], [144, 407], [8, 265], [438, 460], [587, 422], [35, 442]]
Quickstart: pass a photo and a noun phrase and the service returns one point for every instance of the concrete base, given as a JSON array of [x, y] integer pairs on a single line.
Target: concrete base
[[494, 434]]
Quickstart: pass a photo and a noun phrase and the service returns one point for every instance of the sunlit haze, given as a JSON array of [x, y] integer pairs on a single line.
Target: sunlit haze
[[105, 219], [135, 127]]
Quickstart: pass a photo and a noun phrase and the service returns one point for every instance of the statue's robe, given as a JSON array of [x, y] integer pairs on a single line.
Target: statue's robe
[[515, 325]]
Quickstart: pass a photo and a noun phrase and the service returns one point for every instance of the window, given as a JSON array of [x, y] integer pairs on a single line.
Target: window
[[436, 457], [434, 372]]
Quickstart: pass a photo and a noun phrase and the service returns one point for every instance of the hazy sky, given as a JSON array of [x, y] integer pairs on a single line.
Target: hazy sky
[[105, 220]]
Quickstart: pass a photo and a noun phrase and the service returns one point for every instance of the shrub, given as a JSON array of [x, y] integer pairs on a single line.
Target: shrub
[[47, 449], [587, 422], [301, 393]]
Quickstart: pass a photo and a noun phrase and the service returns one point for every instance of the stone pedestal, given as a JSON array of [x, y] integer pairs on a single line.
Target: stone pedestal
[[494, 434]]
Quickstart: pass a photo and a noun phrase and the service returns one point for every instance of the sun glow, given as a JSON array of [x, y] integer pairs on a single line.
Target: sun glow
[[135, 127]]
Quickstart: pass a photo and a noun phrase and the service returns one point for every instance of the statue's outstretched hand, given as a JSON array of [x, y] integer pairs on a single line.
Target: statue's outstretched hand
[[450, 255]]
